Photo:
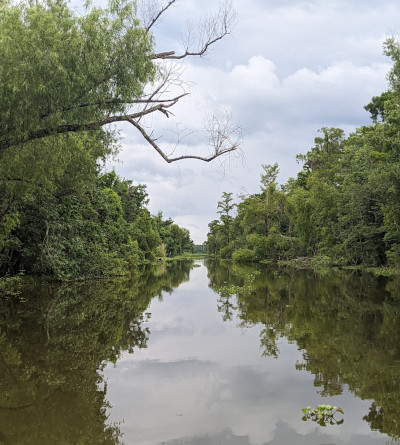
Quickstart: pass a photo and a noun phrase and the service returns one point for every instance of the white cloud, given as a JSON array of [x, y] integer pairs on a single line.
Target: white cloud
[[291, 68]]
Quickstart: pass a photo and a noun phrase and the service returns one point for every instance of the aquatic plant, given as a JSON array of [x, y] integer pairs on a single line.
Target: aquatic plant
[[322, 414]]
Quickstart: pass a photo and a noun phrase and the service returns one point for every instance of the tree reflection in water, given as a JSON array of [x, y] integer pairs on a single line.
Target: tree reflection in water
[[55, 340], [346, 324]]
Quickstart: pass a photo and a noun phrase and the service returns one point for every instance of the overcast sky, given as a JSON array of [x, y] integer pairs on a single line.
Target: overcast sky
[[289, 68]]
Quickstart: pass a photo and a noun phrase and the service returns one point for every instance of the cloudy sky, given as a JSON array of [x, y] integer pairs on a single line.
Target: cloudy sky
[[289, 68]]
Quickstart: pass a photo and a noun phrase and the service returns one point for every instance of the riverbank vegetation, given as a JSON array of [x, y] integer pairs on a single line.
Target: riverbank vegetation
[[94, 227], [343, 208], [65, 79]]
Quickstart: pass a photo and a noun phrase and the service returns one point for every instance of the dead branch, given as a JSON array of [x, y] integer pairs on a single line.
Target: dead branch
[[151, 12], [224, 138], [211, 30]]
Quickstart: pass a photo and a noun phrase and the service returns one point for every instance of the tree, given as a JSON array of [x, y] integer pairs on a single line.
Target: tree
[[176, 240], [269, 176], [63, 73], [323, 158], [264, 220], [212, 245], [313, 197], [64, 78], [226, 206], [376, 107], [271, 202], [224, 239]]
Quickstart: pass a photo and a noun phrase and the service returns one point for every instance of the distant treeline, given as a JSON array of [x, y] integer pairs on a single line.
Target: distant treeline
[[342, 208]]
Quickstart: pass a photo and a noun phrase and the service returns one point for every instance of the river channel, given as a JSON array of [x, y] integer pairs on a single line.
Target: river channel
[[203, 353]]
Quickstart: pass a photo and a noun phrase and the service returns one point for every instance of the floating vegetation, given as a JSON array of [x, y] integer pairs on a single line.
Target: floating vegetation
[[323, 415]]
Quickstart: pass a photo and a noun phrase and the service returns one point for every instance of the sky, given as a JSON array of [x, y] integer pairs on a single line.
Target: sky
[[289, 68]]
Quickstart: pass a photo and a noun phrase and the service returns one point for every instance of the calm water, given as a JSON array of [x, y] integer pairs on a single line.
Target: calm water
[[202, 354]]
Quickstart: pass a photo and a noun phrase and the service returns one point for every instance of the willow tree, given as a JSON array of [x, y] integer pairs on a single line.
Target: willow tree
[[66, 73]]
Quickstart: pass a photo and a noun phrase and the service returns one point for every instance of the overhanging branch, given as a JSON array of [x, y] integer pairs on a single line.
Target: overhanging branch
[[73, 128], [228, 139], [88, 110]]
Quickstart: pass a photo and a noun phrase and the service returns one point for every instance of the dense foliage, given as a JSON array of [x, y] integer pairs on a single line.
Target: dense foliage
[[65, 72], [61, 77], [94, 227], [342, 208]]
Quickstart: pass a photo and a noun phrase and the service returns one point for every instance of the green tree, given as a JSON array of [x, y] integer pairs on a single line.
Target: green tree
[[264, 221], [313, 197], [222, 238], [65, 77], [103, 229], [66, 72], [212, 245], [376, 107], [226, 205], [176, 240]]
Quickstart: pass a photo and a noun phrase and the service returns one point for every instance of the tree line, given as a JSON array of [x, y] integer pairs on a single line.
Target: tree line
[[343, 207], [65, 79], [93, 226]]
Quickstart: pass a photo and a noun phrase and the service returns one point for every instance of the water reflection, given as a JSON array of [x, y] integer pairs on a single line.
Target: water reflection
[[222, 355], [205, 380], [345, 324], [54, 344]]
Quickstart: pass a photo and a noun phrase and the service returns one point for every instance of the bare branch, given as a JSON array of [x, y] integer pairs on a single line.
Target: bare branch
[[153, 12], [213, 29], [165, 55], [224, 138], [152, 142]]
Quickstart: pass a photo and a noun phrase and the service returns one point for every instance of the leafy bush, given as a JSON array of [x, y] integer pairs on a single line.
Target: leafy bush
[[244, 256]]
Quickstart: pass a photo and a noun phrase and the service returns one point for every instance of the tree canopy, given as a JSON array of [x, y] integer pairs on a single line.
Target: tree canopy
[[67, 73]]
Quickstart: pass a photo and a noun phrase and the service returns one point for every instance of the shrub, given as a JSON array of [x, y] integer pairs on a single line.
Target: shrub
[[244, 256]]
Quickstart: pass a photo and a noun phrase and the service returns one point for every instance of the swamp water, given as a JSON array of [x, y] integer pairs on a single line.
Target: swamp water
[[200, 353]]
